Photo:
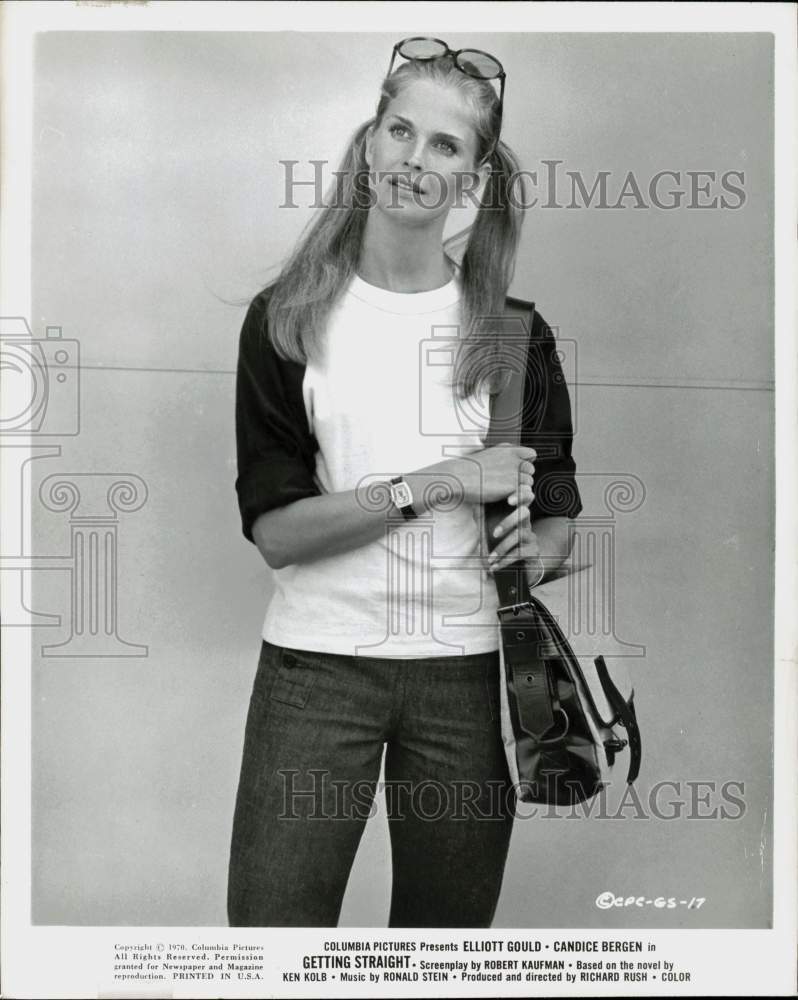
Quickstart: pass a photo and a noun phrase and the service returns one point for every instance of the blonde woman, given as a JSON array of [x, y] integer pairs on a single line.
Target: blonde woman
[[333, 401]]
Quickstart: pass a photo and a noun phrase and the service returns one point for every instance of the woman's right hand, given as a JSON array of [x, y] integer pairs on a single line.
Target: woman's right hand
[[503, 471]]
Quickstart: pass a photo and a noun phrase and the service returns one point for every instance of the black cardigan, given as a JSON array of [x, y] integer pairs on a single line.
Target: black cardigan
[[276, 448]]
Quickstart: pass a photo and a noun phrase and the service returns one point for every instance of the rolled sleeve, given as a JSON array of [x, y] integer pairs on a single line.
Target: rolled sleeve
[[547, 427], [274, 445]]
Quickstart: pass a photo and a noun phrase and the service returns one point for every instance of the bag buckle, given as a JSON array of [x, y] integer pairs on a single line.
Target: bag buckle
[[514, 608]]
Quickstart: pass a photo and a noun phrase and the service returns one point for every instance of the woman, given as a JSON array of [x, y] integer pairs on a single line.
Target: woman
[[362, 474]]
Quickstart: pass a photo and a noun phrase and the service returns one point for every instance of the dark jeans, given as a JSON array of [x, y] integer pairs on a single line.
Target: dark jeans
[[314, 739]]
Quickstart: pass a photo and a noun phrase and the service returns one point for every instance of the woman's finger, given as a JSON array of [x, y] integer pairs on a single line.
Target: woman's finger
[[504, 546], [523, 551], [512, 540], [515, 517], [527, 496], [524, 484], [513, 555]]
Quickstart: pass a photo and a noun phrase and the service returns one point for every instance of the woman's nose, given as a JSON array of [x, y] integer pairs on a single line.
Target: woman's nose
[[415, 158]]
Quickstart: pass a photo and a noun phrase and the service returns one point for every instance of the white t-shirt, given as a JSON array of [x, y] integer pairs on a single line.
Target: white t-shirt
[[379, 405]]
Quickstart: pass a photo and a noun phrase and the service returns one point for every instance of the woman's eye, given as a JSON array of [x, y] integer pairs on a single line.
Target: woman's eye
[[402, 132]]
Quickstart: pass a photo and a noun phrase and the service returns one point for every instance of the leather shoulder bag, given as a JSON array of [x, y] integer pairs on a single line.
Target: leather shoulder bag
[[564, 721]]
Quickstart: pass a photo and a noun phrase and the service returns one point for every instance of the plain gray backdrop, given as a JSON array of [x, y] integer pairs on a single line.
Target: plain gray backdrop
[[156, 197]]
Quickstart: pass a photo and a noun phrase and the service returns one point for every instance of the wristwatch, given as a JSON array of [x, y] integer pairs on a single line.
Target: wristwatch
[[402, 498]]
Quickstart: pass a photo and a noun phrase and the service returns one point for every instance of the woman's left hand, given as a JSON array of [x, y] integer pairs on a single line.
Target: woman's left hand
[[517, 540]]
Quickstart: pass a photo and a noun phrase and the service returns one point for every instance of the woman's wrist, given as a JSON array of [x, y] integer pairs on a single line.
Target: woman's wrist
[[435, 484]]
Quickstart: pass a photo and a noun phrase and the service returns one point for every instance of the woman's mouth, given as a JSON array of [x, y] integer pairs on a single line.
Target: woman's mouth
[[405, 185]]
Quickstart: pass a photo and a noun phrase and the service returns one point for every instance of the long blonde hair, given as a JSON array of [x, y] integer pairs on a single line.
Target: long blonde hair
[[328, 252]]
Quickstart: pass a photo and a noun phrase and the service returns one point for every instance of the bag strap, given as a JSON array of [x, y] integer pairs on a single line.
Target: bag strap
[[627, 715], [535, 695], [505, 425]]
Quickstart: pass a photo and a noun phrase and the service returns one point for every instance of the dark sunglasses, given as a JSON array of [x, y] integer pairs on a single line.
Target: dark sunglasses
[[473, 62]]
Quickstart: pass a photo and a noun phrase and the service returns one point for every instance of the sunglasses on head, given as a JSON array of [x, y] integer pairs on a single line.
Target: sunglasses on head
[[473, 62]]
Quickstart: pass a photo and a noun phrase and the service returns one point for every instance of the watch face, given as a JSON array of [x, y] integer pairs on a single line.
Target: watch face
[[402, 495]]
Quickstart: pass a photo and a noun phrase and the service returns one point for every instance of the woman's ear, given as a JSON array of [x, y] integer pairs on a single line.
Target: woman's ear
[[483, 171]]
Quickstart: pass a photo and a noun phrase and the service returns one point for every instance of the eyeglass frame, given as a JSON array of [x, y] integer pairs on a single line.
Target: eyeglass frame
[[501, 76]]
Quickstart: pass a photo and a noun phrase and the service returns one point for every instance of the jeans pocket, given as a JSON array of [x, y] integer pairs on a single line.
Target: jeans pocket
[[296, 675]]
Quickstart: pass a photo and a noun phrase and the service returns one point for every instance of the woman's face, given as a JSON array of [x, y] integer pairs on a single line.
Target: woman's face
[[423, 153]]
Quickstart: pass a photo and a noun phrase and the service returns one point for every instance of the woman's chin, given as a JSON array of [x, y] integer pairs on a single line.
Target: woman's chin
[[410, 210]]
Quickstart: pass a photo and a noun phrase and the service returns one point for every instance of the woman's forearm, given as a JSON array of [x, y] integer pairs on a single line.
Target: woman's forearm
[[554, 544], [320, 526]]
